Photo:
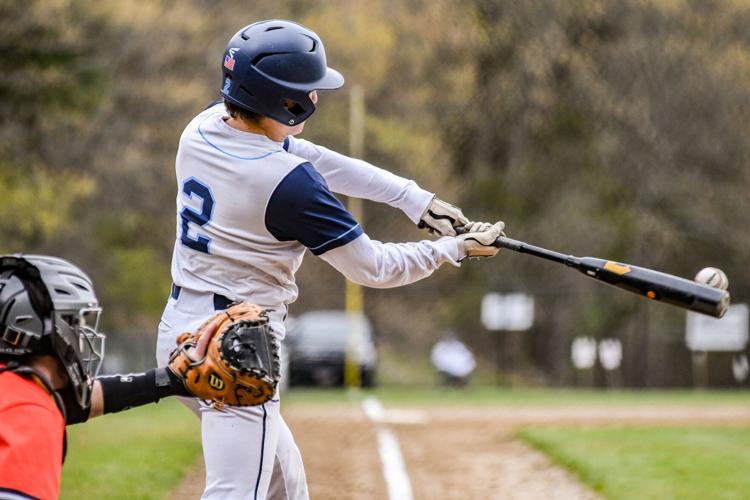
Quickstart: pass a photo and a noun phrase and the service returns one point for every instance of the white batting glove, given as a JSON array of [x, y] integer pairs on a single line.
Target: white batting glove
[[479, 239], [442, 218]]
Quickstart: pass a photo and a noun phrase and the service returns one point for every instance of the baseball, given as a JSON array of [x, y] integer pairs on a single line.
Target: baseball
[[713, 277]]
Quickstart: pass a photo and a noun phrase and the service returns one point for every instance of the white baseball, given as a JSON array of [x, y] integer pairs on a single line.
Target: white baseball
[[713, 277]]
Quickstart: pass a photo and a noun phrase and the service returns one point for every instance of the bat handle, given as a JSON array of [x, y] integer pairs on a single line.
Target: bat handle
[[523, 247], [500, 242], [509, 243]]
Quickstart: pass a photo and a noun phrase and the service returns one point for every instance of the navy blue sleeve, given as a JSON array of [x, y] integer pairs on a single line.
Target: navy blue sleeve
[[302, 208]]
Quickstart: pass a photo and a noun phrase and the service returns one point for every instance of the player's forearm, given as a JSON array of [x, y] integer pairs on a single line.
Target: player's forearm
[[357, 178], [115, 393], [387, 265], [122, 392]]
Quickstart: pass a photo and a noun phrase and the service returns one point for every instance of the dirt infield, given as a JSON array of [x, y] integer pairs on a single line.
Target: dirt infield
[[456, 453]]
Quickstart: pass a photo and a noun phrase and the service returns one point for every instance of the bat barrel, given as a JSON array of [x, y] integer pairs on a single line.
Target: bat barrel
[[658, 286]]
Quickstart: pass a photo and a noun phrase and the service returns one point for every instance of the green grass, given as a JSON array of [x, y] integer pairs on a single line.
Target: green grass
[[502, 396], [653, 462], [138, 454], [144, 453]]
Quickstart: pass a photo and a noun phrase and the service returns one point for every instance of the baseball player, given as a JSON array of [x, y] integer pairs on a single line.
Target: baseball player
[[50, 351], [252, 198]]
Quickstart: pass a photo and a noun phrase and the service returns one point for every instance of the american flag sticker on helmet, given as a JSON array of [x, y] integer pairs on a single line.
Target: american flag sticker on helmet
[[229, 59]]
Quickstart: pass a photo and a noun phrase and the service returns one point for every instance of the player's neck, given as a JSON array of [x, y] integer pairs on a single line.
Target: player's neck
[[265, 126], [51, 369], [244, 126]]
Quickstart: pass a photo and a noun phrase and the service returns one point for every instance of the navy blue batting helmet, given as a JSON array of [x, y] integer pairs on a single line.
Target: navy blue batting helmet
[[270, 68]]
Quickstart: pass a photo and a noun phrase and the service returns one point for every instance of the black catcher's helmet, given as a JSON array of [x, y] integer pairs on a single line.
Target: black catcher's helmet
[[270, 62], [48, 306]]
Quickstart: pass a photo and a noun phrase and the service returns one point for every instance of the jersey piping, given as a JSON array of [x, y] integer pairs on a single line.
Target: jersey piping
[[330, 242], [247, 158]]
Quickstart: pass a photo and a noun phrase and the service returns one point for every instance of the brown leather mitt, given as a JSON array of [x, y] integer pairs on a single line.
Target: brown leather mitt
[[233, 358]]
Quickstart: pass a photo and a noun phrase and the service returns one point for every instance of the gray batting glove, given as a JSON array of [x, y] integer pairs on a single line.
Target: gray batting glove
[[479, 239], [442, 218]]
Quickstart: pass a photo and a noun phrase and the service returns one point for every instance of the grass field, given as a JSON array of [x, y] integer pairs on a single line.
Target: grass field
[[653, 462], [144, 453], [154, 444], [494, 396]]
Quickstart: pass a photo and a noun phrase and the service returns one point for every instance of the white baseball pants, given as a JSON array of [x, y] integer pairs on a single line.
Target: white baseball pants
[[249, 452]]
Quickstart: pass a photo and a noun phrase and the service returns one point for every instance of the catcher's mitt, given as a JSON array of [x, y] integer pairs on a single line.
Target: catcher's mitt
[[241, 362]]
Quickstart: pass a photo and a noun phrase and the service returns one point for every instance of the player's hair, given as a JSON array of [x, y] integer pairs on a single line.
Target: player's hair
[[240, 113]]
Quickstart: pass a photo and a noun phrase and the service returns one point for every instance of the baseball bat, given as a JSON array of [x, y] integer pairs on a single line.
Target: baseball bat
[[654, 285]]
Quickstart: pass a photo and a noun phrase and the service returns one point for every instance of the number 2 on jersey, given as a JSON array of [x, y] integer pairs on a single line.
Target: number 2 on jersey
[[194, 187]]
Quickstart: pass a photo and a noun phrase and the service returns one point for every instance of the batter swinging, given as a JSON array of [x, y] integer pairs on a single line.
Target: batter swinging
[[251, 199]]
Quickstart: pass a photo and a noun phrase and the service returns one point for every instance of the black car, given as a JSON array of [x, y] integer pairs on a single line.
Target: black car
[[317, 343]]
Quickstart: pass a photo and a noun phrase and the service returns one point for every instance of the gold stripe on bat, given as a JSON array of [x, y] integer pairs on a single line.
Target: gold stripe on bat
[[617, 268]]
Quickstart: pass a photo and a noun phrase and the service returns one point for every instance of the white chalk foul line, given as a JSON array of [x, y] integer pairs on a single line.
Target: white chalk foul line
[[373, 409], [394, 469]]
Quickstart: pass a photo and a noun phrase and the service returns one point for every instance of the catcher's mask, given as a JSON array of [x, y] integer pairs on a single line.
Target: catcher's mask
[[48, 306]]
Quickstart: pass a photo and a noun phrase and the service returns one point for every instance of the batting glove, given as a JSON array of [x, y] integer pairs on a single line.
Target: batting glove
[[479, 239], [442, 218]]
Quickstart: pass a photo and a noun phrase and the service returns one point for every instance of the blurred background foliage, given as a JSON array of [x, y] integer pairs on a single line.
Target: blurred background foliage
[[604, 128]]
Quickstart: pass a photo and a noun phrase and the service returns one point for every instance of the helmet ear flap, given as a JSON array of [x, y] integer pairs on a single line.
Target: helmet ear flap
[[294, 107], [299, 109]]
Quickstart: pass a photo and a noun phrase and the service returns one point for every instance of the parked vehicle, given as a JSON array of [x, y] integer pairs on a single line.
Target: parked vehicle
[[317, 343]]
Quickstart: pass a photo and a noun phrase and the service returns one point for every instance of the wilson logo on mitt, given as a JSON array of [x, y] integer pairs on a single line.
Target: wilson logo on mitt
[[241, 365], [215, 382]]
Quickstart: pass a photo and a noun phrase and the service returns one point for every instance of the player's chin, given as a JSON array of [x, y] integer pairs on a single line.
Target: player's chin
[[297, 129]]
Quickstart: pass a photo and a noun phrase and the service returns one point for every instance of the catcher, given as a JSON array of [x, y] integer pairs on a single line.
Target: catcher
[[51, 351]]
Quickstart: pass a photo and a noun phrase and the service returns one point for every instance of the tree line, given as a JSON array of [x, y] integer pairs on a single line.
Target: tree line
[[611, 129]]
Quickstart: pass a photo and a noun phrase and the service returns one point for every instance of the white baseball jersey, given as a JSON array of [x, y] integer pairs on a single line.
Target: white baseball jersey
[[248, 207]]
